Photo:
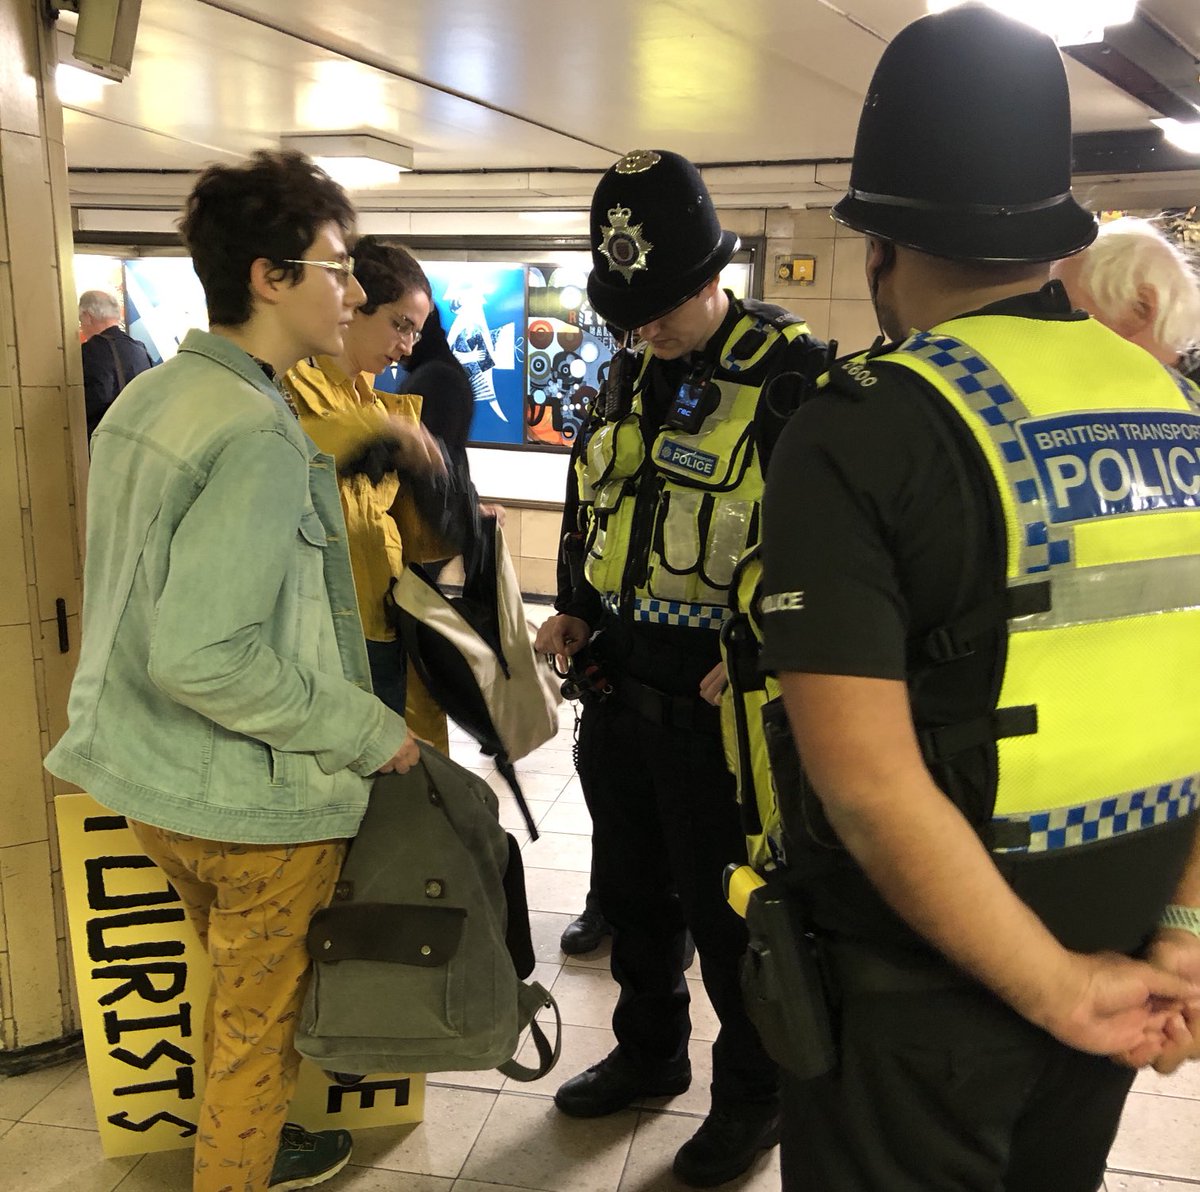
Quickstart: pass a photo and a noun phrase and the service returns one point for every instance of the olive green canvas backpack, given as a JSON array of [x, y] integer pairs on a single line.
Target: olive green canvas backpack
[[419, 961]]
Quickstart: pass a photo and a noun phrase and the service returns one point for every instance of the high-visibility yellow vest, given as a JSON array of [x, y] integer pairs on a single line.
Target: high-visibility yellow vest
[[1094, 451], [665, 529]]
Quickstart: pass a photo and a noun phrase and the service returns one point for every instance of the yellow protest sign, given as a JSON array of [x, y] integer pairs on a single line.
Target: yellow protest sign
[[143, 985]]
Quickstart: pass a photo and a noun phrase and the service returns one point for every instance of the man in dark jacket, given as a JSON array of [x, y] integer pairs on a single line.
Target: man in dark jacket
[[111, 357]]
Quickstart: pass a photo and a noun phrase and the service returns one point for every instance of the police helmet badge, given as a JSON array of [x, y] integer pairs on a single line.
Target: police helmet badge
[[638, 161], [624, 247]]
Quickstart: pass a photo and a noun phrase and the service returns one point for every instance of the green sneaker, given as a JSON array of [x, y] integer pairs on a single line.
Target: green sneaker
[[306, 1159]]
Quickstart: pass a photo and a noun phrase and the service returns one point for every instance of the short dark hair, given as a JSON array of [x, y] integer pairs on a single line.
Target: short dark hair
[[386, 272], [271, 206]]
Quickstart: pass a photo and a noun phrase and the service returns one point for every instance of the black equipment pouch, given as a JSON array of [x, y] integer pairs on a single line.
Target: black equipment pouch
[[616, 398], [574, 554], [782, 985]]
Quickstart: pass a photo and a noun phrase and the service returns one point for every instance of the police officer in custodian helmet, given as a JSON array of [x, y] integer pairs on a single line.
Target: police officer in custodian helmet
[[663, 498], [986, 646]]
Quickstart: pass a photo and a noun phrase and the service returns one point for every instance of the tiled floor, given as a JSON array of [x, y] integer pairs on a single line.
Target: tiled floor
[[482, 1133]]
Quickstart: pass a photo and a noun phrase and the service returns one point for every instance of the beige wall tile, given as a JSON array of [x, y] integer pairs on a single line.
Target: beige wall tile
[[68, 304], [814, 222], [513, 521], [849, 273], [3, 222], [22, 794], [745, 221], [32, 942], [80, 462], [539, 577], [51, 110], [852, 324], [14, 601], [779, 223], [51, 498], [540, 530], [33, 257], [816, 315], [19, 107], [8, 332], [59, 669]]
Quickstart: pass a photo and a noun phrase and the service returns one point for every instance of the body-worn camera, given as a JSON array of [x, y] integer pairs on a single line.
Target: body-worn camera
[[695, 399]]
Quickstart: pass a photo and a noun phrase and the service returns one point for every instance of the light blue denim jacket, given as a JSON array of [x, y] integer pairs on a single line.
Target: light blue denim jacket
[[222, 688]]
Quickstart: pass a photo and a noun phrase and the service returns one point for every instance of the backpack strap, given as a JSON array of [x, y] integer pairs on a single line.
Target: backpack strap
[[510, 776], [112, 347], [532, 997]]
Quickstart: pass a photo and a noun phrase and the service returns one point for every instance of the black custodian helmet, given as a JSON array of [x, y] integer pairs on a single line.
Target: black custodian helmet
[[964, 144], [655, 238]]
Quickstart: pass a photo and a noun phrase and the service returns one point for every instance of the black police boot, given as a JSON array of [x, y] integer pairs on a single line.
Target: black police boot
[[585, 933], [689, 951], [725, 1146], [613, 1084]]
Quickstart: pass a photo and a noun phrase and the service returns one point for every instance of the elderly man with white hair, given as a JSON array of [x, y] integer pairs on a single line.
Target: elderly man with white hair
[[1138, 282], [111, 358]]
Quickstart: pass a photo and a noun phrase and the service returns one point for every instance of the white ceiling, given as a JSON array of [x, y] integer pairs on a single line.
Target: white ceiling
[[545, 92]]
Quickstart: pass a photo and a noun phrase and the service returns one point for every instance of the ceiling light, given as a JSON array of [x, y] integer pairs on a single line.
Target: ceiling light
[[1069, 22], [77, 87], [1185, 136], [359, 158]]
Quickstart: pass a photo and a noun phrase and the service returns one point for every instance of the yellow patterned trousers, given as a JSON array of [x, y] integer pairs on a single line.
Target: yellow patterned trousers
[[250, 905]]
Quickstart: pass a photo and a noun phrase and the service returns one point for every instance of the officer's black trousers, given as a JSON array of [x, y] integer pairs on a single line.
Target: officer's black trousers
[[949, 1091], [664, 826]]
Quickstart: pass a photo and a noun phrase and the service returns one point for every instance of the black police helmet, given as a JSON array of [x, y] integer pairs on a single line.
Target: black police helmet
[[964, 144], [655, 238]]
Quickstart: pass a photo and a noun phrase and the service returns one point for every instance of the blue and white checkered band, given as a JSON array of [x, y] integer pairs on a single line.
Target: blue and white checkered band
[[671, 612], [1044, 545], [1190, 393], [1069, 827]]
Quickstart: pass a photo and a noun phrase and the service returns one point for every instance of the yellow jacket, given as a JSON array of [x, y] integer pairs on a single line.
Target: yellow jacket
[[341, 414]]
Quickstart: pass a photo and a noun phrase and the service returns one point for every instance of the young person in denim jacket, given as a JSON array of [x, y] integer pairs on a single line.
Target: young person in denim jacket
[[222, 700]]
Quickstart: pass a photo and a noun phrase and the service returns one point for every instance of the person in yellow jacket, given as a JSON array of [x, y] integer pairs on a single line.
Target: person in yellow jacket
[[385, 458], [985, 630]]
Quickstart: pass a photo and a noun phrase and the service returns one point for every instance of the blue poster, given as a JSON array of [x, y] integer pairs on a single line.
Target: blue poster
[[482, 305], [164, 300]]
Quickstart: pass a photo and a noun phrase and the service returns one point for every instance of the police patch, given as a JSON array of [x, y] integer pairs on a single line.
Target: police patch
[[687, 459], [782, 602], [1102, 464]]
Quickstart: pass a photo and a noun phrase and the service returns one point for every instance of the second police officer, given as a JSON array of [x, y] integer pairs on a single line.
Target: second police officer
[[984, 632], [663, 498]]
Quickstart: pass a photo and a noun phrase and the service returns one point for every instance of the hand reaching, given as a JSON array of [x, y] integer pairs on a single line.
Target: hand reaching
[[416, 449], [562, 636]]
